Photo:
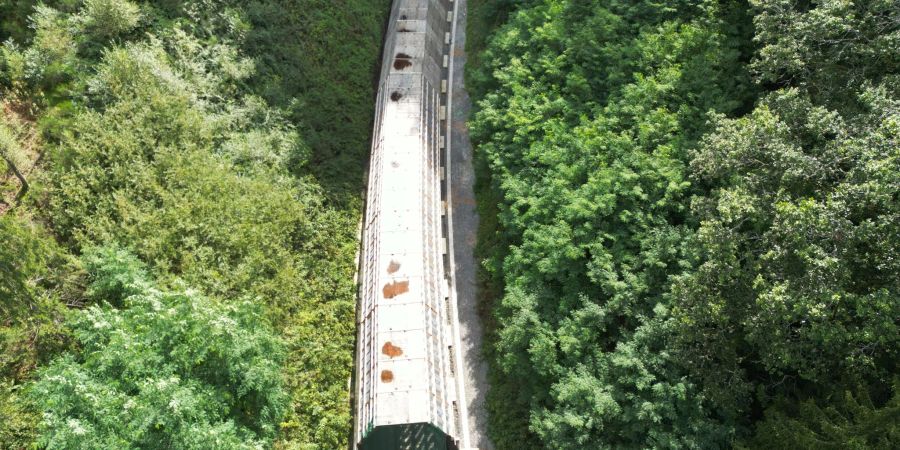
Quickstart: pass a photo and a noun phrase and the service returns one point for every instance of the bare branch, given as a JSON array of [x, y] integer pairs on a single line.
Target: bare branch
[[15, 170]]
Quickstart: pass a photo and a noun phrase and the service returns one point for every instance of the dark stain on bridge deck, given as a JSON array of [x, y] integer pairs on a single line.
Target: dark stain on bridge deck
[[395, 288], [402, 61], [391, 350]]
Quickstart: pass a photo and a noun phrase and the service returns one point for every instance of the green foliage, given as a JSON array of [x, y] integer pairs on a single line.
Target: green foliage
[[590, 169], [15, 15], [828, 48], [851, 422], [115, 275], [23, 259], [14, 23], [17, 419], [795, 288], [12, 66], [170, 370], [32, 283], [796, 243], [669, 259], [319, 60], [109, 18], [148, 172], [51, 61], [183, 131], [34, 274]]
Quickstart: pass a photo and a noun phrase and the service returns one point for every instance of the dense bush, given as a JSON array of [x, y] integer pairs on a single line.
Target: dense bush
[[849, 421], [167, 370], [671, 260], [33, 289], [171, 130], [795, 249], [590, 167]]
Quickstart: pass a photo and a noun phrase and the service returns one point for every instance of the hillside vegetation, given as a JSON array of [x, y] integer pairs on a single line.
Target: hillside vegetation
[[697, 218], [180, 272]]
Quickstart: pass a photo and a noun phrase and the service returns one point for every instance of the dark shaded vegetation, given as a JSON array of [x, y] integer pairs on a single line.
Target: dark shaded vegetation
[[318, 59], [218, 149], [690, 213]]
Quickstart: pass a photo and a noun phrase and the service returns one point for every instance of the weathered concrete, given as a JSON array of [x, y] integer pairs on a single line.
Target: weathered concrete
[[419, 336], [406, 334]]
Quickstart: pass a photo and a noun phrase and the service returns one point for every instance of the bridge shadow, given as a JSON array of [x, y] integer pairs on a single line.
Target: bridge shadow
[[319, 59]]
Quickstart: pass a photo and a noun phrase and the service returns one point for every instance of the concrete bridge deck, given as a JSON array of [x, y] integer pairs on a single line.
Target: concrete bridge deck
[[416, 361]]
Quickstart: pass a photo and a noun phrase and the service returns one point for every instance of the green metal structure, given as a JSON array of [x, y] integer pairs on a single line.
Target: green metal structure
[[407, 436]]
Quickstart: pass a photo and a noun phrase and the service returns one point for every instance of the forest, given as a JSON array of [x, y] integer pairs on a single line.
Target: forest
[[690, 222], [180, 189]]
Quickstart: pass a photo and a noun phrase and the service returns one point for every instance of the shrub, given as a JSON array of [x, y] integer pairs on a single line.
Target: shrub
[[171, 370], [109, 18]]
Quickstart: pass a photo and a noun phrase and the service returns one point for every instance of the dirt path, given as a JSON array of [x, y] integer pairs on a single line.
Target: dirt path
[[465, 229]]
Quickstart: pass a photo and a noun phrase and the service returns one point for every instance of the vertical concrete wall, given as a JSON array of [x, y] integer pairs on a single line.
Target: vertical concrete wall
[[405, 368]]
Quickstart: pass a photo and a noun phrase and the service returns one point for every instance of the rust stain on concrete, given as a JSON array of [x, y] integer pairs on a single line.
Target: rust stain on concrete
[[391, 350], [395, 288]]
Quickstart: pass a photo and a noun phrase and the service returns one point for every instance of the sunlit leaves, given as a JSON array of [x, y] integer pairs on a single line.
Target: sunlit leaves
[[170, 369], [590, 164], [636, 176], [109, 18], [155, 141]]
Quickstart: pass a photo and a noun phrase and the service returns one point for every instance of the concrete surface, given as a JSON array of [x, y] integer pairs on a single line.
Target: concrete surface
[[465, 231], [406, 368]]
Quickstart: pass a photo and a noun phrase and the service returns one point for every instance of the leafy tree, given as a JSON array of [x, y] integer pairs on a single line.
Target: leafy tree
[[109, 18], [22, 259], [35, 274], [14, 23], [590, 169], [827, 48], [115, 275], [17, 420], [197, 183], [171, 369], [33, 284], [51, 62], [12, 66], [672, 257], [796, 289], [796, 241]]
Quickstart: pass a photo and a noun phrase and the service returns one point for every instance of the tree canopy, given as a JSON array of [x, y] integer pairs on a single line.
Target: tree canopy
[[163, 370], [697, 221]]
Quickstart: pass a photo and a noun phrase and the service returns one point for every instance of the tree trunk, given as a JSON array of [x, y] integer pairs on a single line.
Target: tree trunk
[[21, 178]]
